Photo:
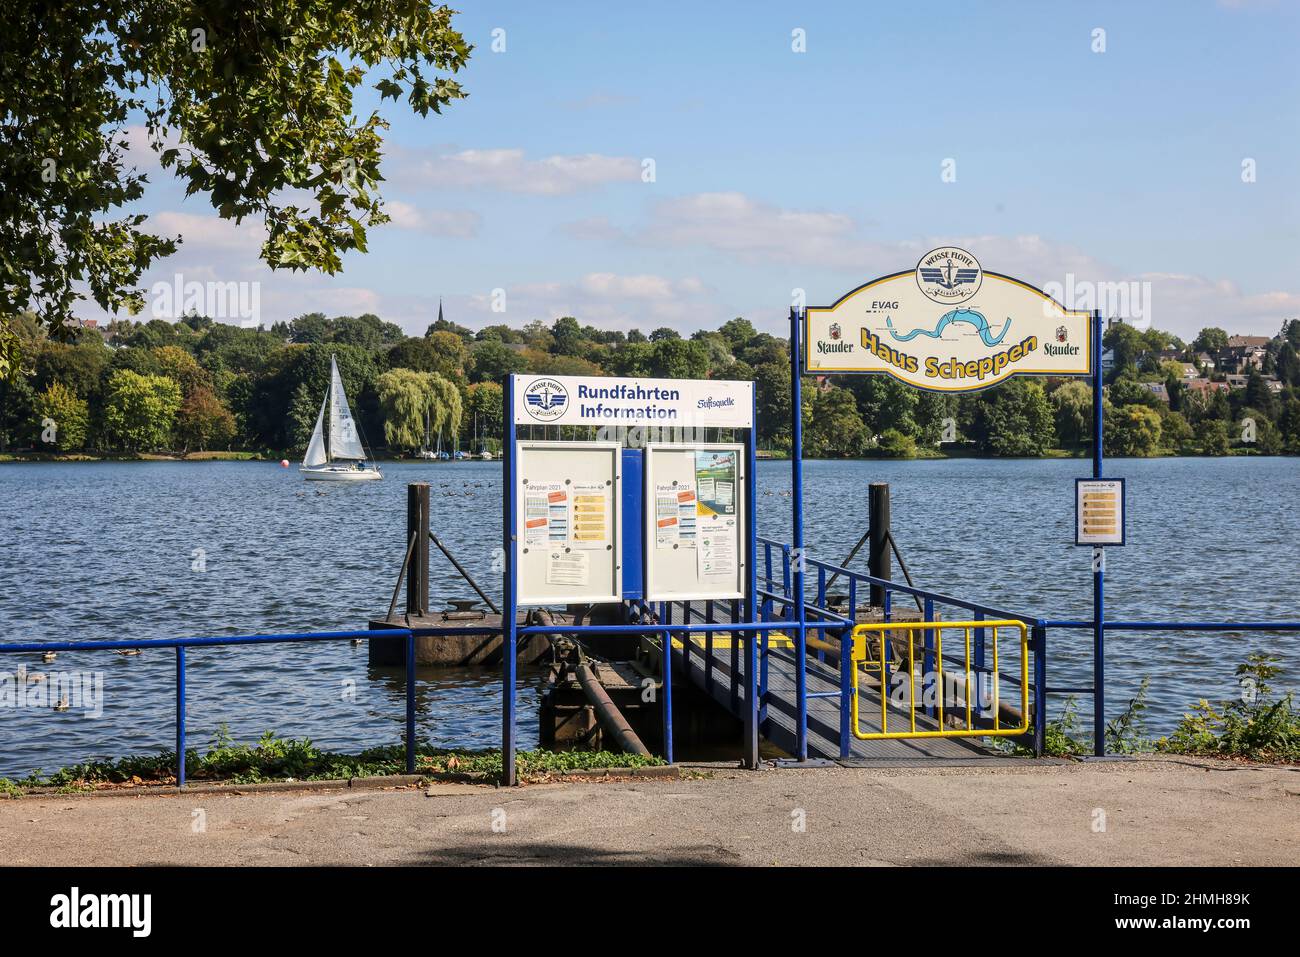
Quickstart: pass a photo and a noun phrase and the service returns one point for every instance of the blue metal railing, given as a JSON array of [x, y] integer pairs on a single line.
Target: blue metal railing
[[929, 601], [1098, 688], [181, 644]]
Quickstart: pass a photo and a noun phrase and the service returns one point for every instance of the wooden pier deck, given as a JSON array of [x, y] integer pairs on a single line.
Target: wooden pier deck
[[780, 722]]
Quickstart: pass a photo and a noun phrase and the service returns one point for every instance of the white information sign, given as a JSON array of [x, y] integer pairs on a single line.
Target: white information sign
[[568, 538], [661, 403], [948, 325], [694, 521], [1099, 511]]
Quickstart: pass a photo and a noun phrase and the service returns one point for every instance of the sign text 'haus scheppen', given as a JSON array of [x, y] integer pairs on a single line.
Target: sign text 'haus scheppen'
[[947, 325]]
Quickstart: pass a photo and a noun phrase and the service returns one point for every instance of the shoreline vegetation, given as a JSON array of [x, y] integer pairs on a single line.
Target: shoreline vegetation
[[26, 456], [1259, 726], [195, 388], [276, 759]]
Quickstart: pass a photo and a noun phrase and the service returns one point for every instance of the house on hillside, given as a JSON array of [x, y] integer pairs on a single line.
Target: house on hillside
[[1207, 385], [1158, 389], [1242, 354]]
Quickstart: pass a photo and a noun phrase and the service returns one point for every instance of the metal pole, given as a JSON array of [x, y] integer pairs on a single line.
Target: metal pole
[[1098, 558], [847, 665], [1040, 688], [852, 551], [401, 576], [417, 526], [410, 703], [509, 592], [464, 574], [667, 667], [796, 481], [878, 529], [751, 583], [180, 716]]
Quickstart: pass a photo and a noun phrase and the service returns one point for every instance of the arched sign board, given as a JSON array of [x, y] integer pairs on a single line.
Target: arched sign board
[[949, 326]]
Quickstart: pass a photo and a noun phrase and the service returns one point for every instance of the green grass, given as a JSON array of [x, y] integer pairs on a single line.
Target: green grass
[[292, 759]]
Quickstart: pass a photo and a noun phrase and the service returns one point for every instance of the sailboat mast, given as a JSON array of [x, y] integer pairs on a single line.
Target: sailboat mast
[[329, 412]]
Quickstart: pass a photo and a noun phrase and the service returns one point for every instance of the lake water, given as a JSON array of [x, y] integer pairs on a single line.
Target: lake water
[[108, 550]]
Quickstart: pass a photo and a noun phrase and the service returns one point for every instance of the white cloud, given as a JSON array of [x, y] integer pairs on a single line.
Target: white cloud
[[607, 300], [511, 171], [752, 231], [208, 233], [458, 223], [742, 230]]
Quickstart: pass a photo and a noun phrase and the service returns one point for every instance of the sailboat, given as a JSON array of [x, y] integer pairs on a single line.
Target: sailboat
[[335, 453], [425, 452]]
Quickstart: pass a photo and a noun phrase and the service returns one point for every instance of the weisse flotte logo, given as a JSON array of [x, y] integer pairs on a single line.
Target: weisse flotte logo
[[949, 275], [546, 399]]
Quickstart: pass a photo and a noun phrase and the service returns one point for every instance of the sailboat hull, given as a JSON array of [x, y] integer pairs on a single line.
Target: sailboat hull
[[339, 473]]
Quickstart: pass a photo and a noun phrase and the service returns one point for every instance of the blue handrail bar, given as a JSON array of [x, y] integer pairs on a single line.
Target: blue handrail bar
[[1180, 625], [938, 597], [180, 644]]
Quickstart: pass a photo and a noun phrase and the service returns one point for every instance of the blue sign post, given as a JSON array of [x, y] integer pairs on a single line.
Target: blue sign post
[[949, 325]]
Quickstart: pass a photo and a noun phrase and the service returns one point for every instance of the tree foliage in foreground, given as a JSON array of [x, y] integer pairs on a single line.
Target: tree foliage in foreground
[[250, 105]]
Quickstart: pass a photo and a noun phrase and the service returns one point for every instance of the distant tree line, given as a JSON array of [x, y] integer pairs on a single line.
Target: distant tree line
[[198, 385]]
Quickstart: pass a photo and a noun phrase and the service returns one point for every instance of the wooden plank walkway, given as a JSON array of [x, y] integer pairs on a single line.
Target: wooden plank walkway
[[779, 726]]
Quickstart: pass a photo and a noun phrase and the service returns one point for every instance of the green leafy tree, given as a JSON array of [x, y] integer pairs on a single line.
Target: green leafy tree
[[893, 444], [203, 422], [1212, 435], [835, 428], [287, 396], [78, 366], [677, 358], [443, 353], [1013, 418], [569, 340], [404, 399], [1131, 430], [632, 359], [738, 333], [1128, 391], [1072, 413], [66, 412], [1210, 339], [1176, 435], [409, 399], [252, 106], [1127, 345], [1257, 433], [1288, 425], [140, 410], [494, 360], [485, 402], [772, 382]]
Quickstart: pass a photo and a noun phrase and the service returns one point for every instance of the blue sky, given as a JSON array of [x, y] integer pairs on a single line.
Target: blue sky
[[778, 170]]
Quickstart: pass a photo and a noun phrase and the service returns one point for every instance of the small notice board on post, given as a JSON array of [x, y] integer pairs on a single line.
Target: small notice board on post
[[1099, 512], [695, 521], [568, 534]]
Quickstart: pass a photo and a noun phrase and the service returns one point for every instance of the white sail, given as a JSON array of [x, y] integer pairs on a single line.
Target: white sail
[[345, 443], [316, 447]]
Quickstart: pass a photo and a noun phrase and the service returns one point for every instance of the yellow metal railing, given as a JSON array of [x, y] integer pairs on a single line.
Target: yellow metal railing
[[859, 654]]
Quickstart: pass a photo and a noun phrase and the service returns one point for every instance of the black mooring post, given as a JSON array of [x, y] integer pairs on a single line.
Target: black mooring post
[[417, 573], [878, 555]]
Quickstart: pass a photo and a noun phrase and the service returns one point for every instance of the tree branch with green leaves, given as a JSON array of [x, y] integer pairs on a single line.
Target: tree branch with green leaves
[[251, 105]]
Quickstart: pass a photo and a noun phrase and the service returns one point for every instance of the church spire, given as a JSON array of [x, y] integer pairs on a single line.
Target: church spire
[[439, 309]]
